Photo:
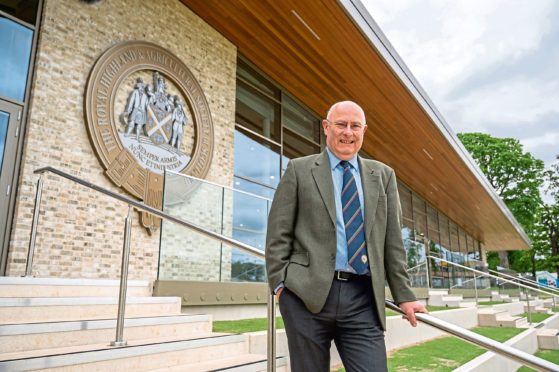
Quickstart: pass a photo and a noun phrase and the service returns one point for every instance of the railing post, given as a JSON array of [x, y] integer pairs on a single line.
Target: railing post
[[271, 345], [427, 273], [475, 289], [528, 304], [123, 281], [33, 236], [553, 309]]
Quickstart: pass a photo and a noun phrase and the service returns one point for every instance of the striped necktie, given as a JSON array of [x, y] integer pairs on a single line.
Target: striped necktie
[[353, 221]]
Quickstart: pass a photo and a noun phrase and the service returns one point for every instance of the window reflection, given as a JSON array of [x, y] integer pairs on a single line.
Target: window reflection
[[15, 51], [4, 118], [258, 161]]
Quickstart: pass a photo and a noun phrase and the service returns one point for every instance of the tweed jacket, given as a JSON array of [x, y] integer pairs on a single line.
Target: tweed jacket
[[301, 234]]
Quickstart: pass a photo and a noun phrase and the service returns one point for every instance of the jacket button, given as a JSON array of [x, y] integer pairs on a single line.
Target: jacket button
[[332, 257]]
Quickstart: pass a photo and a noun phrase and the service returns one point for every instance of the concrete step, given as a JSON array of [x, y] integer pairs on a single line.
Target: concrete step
[[491, 317], [138, 356], [445, 300], [537, 309], [468, 303], [433, 292], [56, 309], [512, 322], [548, 339], [36, 336], [241, 363], [62, 287]]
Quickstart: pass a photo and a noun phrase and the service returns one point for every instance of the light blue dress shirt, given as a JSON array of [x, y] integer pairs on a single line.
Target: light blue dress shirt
[[338, 181]]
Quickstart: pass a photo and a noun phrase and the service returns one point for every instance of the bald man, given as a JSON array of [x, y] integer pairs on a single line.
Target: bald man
[[334, 236]]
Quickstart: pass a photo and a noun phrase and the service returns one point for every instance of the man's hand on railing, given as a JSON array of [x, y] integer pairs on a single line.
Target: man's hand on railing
[[410, 308]]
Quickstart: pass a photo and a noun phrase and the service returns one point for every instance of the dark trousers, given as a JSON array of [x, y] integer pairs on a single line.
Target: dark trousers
[[349, 317]]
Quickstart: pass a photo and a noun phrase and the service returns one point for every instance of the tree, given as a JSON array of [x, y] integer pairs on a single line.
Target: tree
[[515, 175], [547, 242]]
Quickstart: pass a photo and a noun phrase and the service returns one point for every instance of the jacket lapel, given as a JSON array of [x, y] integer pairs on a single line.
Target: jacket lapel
[[322, 175], [370, 182]]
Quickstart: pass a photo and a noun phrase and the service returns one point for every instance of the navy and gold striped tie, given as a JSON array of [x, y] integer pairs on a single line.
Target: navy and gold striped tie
[[353, 220]]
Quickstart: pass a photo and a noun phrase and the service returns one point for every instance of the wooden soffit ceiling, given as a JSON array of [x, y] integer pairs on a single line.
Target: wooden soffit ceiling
[[321, 53]]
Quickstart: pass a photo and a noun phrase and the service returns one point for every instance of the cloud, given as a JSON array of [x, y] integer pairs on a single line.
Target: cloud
[[446, 42], [520, 101]]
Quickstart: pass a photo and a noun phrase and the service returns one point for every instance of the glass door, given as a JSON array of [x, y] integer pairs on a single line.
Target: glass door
[[10, 117]]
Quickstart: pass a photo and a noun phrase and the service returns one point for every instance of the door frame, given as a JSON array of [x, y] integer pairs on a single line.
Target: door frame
[[7, 175]]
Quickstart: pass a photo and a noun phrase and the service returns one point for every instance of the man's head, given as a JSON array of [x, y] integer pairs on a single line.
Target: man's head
[[344, 128]]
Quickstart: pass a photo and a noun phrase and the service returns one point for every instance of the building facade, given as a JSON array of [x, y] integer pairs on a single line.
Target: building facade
[[253, 82]]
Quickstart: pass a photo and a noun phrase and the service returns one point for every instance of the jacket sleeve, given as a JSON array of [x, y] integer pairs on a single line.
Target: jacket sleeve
[[395, 260], [281, 227]]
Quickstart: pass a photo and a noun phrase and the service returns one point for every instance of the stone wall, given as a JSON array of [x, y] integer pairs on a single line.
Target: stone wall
[[80, 231]]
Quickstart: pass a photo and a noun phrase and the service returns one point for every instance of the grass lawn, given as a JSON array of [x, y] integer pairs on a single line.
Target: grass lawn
[[443, 354], [536, 318], [493, 302], [244, 325], [550, 355]]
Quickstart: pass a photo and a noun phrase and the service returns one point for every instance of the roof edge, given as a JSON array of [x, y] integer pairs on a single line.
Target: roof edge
[[371, 31]]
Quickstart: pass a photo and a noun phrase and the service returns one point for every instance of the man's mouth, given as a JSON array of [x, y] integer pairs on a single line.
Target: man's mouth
[[346, 141]]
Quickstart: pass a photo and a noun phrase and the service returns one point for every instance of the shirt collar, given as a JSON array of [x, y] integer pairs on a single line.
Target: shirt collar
[[334, 161]]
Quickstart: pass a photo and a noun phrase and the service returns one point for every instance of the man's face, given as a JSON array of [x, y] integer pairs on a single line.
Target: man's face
[[345, 141]]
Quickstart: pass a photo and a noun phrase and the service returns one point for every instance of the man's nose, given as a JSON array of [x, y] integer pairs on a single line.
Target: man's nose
[[347, 130]]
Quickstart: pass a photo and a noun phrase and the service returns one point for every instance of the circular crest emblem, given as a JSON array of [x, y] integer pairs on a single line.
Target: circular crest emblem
[[146, 113]]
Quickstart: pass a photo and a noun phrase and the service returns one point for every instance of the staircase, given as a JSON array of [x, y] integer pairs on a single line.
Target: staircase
[[441, 298], [53, 324], [491, 317]]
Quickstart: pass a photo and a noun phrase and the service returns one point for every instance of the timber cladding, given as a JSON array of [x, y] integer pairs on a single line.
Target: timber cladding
[[80, 232]]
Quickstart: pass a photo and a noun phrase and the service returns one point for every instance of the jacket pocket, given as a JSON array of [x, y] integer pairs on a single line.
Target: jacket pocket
[[300, 258]]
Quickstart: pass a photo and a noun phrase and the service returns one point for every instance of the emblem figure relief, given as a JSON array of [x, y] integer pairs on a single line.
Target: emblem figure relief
[[179, 120], [150, 111], [136, 109]]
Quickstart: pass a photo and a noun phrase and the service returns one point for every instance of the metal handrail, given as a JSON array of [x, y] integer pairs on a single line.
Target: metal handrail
[[493, 276], [485, 342], [526, 281]]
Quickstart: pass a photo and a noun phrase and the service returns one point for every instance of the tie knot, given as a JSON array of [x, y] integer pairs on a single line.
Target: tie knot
[[344, 164]]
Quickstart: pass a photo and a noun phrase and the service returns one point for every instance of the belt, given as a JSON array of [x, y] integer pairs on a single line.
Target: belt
[[345, 276]]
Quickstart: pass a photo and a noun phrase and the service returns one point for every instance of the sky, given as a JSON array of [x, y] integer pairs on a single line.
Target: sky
[[490, 66]]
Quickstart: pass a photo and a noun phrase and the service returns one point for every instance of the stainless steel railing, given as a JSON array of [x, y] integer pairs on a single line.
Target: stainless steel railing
[[528, 281], [519, 285], [487, 343]]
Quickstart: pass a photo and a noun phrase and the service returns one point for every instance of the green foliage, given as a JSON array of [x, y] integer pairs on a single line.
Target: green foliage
[[514, 174], [493, 260], [517, 177]]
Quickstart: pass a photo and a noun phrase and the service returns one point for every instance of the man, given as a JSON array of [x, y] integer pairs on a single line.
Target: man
[[137, 108], [334, 236]]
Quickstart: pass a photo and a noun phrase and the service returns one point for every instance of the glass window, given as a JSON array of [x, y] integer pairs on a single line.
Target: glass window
[[295, 146], [26, 10], [257, 112], [257, 160], [300, 120], [15, 51], [244, 72], [4, 118]]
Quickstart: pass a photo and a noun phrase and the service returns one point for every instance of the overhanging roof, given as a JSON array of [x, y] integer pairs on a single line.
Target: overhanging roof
[[324, 51]]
